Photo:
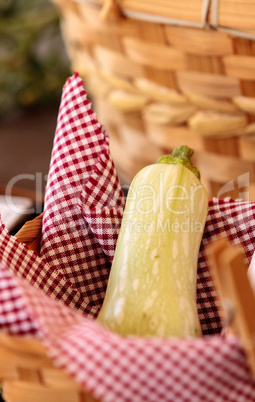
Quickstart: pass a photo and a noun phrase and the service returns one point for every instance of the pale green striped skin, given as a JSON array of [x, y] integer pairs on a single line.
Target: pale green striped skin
[[152, 284]]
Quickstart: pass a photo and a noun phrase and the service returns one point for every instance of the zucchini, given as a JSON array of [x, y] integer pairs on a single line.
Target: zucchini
[[152, 284]]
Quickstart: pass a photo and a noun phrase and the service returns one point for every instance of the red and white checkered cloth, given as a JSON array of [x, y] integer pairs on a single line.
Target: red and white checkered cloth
[[82, 182], [14, 316], [115, 368], [84, 205]]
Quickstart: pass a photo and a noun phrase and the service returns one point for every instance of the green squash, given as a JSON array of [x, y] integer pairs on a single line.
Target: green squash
[[152, 285]]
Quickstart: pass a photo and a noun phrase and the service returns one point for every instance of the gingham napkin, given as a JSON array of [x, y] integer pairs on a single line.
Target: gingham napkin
[[83, 209], [14, 316], [115, 368], [83, 199]]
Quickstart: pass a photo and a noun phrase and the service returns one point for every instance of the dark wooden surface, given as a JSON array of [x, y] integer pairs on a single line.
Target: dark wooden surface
[[25, 148], [26, 141]]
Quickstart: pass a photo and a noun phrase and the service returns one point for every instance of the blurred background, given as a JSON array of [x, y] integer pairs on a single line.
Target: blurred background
[[33, 69], [33, 59]]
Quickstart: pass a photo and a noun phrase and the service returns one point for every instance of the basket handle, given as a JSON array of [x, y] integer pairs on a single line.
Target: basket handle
[[110, 11], [229, 273]]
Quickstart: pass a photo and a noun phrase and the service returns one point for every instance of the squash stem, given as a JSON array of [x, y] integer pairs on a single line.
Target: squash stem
[[181, 156]]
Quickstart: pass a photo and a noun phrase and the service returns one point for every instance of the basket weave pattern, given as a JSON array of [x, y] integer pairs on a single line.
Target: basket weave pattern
[[158, 85]]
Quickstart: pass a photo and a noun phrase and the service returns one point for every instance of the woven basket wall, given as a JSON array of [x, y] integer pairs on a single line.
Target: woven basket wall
[[167, 73]]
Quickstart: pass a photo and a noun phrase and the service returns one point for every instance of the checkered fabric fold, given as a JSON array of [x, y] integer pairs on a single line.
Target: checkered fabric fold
[[38, 272], [82, 177], [83, 199], [102, 187], [116, 368], [14, 316], [105, 224], [102, 203]]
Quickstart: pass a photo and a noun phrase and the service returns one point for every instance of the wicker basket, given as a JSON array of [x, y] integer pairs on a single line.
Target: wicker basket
[[163, 74], [27, 374]]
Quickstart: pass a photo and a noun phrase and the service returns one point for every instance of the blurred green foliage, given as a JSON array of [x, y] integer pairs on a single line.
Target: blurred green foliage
[[33, 63]]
